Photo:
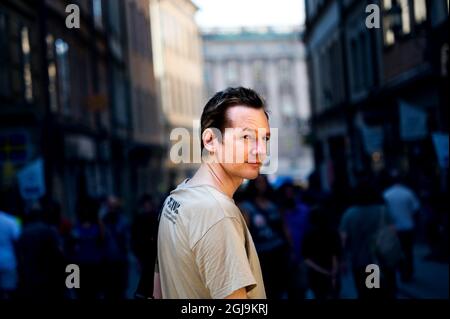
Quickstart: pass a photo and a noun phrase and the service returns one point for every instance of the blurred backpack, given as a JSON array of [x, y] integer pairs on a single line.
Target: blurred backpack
[[387, 248]]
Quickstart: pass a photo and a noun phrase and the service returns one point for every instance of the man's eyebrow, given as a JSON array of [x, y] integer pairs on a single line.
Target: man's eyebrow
[[255, 130]]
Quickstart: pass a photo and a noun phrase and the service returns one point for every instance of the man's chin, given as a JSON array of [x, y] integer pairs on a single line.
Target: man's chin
[[251, 174]]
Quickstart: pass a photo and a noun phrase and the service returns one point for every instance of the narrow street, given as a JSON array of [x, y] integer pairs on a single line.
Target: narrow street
[[430, 281]]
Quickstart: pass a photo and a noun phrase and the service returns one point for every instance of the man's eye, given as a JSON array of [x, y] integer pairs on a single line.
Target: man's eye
[[246, 137], [266, 139]]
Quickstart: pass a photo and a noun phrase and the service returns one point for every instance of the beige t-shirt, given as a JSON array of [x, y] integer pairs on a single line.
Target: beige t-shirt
[[204, 247]]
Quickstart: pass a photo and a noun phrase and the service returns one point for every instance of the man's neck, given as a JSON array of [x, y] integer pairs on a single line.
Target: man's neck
[[216, 176]]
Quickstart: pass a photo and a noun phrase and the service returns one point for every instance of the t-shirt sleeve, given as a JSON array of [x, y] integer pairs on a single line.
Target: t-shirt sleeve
[[222, 259]]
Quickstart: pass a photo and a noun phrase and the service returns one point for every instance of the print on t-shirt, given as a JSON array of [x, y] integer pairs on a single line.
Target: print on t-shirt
[[171, 210]]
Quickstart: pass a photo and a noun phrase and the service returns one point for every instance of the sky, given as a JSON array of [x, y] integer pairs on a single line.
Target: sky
[[236, 13]]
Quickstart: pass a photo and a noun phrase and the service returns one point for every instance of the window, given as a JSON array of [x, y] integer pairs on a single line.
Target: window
[[63, 73], [258, 71], [97, 13], [51, 70], [26, 65], [287, 103], [133, 33], [357, 52], [121, 116], [364, 61], [232, 73], [258, 77], [285, 71], [389, 38], [209, 78], [420, 11], [387, 4], [4, 72], [354, 66], [406, 23], [114, 11]]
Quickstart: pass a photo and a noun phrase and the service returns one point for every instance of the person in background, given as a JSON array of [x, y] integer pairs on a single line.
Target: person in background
[[269, 235], [295, 214], [86, 249], [144, 229], [403, 205], [9, 234], [41, 258], [322, 253], [144, 232], [359, 227], [117, 233]]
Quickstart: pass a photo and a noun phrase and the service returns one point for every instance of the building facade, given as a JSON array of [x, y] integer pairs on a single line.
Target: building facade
[[147, 151], [376, 93], [271, 61], [83, 100], [178, 71]]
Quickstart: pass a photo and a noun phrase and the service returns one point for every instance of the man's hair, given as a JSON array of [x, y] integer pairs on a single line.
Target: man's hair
[[215, 111]]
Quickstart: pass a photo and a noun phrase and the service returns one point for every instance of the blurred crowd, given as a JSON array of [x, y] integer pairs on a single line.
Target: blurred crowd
[[37, 246], [306, 239]]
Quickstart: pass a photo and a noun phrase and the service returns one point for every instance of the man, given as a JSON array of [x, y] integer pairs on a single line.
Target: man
[[205, 249], [403, 205]]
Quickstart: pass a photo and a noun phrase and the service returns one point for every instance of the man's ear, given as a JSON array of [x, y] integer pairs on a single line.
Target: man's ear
[[208, 140]]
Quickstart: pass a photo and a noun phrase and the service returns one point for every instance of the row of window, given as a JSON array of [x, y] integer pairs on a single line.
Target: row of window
[[413, 14], [144, 119], [286, 101], [312, 7], [233, 72], [179, 37], [140, 38], [361, 62], [328, 64], [68, 86], [184, 96], [15, 60], [326, 75]]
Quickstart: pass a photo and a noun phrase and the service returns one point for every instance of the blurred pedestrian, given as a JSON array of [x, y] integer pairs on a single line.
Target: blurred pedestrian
[[269, 235], [295, 214], [403, 205], [322, 253], [86, 249], [41, 258], [360, 226], [144, 232], [117, 241], [9, 234]]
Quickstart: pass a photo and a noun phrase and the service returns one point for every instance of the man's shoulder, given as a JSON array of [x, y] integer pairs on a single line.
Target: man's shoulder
[[200, 199], [198, 209]]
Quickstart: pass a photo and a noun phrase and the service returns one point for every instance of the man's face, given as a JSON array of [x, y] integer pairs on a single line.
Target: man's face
[[245, 143]]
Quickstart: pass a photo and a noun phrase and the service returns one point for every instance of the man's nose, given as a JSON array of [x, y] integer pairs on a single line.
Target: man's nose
[[259, 149]]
